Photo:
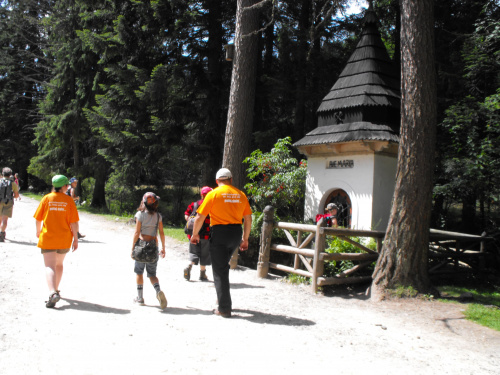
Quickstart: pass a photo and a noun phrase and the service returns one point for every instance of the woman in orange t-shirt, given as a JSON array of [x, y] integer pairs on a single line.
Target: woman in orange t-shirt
[[56, 229]]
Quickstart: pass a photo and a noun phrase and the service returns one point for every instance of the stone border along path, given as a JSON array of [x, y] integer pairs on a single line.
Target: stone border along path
[[276, 328]]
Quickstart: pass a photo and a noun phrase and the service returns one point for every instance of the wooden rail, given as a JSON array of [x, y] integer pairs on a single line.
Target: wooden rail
[[312, 259]]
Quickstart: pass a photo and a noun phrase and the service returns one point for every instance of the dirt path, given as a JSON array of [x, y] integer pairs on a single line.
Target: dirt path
[[276, 328]]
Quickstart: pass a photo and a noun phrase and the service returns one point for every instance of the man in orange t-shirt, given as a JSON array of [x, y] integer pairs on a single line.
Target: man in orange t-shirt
[[227, 207], [56, 229]]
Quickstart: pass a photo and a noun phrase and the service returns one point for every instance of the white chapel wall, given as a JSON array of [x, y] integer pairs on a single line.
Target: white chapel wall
[[357, 182]]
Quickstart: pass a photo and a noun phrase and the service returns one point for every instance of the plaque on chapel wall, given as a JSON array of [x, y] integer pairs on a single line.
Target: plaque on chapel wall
[[339, 164]]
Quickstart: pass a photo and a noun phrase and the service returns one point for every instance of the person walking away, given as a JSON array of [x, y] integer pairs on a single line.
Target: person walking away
[[148, 222], [56, 228], [9, 191], [199, 252], [16, 180], [227, 207], [71, 192]]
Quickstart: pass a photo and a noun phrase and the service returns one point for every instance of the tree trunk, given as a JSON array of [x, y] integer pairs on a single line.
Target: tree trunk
[[99, 195], [242, 96], [211, 135], [301, 72], [403, 259]]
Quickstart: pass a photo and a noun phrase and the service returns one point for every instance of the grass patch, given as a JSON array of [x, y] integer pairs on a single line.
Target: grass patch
[[175, 233], [485, 306], [403, 292], [297, 279], [484, 315]]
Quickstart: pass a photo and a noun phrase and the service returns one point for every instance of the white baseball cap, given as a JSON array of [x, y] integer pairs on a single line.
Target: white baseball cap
[[223, 174]]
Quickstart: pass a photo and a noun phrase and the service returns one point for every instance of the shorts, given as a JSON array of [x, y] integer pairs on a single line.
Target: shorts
[[200, 253], [6, 208], [150, 268], [58, 251]]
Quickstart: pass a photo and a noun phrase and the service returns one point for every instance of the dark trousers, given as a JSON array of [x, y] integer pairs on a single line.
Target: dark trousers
[[224, 240]]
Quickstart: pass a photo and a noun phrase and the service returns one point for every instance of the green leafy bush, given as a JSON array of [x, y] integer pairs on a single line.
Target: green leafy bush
[[336, 245], [277, 179]]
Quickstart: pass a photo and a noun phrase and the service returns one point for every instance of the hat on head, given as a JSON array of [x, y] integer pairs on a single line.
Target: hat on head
[[73, 179], [59, 181], [150, 198], [205, 190], [223, 174], [332, 206]]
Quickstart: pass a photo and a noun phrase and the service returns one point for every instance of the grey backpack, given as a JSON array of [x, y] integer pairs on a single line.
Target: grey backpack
[[6, 192]]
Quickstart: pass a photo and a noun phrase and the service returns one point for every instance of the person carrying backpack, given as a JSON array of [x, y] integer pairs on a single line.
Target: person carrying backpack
[[71, 192], [199, 252], [9, 191]]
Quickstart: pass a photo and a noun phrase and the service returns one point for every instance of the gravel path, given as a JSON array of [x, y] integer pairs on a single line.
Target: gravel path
[[276, 328]]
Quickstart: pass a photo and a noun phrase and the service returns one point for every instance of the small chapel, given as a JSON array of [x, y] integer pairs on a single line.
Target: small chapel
[[352, 154]]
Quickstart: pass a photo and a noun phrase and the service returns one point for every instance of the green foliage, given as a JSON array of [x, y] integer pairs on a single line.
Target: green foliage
[[403, 292], [297, 279], [336, 245], [122, 196], [277, 179], [486, 307], [176, 233], [486, 316]]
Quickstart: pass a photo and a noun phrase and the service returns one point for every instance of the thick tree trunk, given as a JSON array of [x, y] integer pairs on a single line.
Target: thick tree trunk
[[242, 96], [99, 195], [403, 259], [212, 133], [301, 72]]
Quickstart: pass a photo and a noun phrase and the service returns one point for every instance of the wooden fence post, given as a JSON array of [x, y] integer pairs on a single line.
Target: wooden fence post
[[319, 247], [265, 242]]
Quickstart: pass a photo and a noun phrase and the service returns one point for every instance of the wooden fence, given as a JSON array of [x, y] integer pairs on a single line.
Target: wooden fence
[[446, 247]]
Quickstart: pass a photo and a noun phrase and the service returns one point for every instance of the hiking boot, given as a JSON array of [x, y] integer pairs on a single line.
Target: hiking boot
[[187, 272], [203, 276], [53, 299], [139, 301], [163, 300], [2, 236]]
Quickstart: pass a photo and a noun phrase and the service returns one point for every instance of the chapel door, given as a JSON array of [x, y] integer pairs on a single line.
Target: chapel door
[[343, 202]]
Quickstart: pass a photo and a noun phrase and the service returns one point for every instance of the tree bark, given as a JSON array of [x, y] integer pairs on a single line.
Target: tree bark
[[212, 134], [403, 259], [100, 175], [242, 97]]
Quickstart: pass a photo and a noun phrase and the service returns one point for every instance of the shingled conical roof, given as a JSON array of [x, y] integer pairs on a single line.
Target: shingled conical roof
[[364, 102], [369, 78]]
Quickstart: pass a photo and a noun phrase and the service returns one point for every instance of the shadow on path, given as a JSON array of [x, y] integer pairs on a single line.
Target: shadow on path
[[244, 286], [263, 318], [186, 311], [92, 307], [21, 242]]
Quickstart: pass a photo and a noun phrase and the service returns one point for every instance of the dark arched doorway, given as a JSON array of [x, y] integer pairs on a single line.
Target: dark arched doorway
[[343, 202]]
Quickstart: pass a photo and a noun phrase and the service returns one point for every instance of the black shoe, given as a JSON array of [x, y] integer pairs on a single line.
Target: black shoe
[[224, 314], [203, 276], [80, 235], [187, 272], [2, 236]]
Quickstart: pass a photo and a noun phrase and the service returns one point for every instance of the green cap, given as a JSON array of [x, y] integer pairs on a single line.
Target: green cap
[[59, 181]]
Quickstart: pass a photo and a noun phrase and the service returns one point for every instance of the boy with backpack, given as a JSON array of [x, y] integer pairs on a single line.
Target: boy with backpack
[[198, 252], [8, 192]]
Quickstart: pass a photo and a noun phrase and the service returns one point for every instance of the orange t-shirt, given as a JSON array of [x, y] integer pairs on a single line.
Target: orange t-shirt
[[225, 205], [57, 211]]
